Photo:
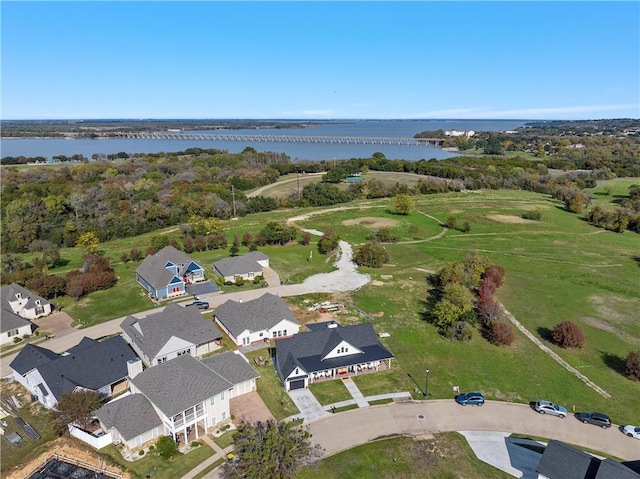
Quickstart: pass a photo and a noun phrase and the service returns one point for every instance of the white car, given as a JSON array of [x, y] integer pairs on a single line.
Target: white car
[[632, 431]]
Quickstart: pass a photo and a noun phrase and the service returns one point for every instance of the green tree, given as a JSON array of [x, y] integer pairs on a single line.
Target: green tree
[[77, 408], [270, 450], [402, 204], [235, 246], [372, 255], [167, 447], [493, 146]]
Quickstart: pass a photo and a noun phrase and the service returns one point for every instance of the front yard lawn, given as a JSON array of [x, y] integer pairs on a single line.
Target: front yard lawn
[[330, 392]]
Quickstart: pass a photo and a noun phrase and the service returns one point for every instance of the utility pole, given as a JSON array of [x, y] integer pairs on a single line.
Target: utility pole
[[233, 197]]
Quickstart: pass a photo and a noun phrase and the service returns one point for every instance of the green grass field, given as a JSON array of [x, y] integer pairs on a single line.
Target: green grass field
[[404, 458]]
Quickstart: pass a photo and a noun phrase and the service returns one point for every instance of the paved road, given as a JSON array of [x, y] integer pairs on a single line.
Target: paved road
[[359, 426]]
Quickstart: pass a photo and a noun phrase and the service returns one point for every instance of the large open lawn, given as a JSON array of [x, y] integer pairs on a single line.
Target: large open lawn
[[558, 268], [405, 458]]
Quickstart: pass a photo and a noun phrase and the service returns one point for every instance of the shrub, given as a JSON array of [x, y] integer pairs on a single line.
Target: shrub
[[372, 255], [141, 453], [194, 444], [328, 242], [632, 365], [501, 333], [167, 447], [535, 215], [568, 334]]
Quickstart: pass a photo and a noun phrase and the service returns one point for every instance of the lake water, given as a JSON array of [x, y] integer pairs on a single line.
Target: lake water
[[296, 151]]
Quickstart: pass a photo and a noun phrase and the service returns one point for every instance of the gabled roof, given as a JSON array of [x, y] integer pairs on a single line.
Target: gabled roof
[[131, 415], [91, 367], [179, 384], [153, 267], [150, 334], [257, 315], [610, 469], [232, 366], [30, 357], [10, 320], [8, 293], [84, 343], [238, 265], [306, 350], [562, 461]]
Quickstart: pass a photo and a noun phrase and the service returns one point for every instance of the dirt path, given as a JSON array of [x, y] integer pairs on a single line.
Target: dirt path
[[555, 356]]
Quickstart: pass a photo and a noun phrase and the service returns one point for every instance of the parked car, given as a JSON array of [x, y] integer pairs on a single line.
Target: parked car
[[547, 407], [632, 431], [470, 398], [595, 418], [199, 304]]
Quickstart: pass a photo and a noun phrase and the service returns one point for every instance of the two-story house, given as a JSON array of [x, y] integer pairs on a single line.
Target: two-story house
[[183, 398], [166, 273]]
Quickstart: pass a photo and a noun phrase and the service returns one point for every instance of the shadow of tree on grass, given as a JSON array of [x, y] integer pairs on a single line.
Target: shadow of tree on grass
[[614, 362]]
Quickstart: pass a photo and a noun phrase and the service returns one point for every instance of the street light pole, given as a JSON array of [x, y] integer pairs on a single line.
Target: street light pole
[[426, 389]]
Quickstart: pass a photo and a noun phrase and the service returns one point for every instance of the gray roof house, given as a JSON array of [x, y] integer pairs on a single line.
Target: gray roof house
[[247, 266], [562, 461], [329, 351], [166, 273], [17, 306], [183, 398], [129, 418], [94, 365], [264, 318], [171, 333]]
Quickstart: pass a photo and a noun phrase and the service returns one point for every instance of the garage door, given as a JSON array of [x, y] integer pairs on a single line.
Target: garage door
[[297, 384]]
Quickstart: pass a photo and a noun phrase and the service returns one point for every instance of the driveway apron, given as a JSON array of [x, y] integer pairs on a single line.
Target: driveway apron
[[308, 405]]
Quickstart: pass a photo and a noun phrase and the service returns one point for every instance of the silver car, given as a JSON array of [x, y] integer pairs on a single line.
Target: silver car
[[547, 407]]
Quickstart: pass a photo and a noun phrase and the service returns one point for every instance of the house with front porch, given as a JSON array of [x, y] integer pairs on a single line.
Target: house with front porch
[[99, 366], [175, 331], [329, 351], [183, 398], [166, 273], [264, 318], [247, 266]]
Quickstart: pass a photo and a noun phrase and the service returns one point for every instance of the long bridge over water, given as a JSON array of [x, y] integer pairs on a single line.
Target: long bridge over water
[[362, 140]]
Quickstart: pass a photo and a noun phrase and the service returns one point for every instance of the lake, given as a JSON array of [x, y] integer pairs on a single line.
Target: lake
[[296, 151]]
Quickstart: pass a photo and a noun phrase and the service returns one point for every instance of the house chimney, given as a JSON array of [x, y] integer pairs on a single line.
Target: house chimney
[[134, 367]]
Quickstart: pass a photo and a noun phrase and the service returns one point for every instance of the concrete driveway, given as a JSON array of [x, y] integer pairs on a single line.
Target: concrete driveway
[[308, 405]]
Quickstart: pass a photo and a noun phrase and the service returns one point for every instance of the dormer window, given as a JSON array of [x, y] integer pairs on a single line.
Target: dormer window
[[18, 295], [37, 302]]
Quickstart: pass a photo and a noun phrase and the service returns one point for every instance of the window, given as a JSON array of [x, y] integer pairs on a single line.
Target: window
[[261, 334], [222, 396], [13, 332], [184, 351], [154, 433], [175, 289], [212, 401], [214, 420], [138, 441], [224, 415], [161, 360], [284, 333], [275, 334]]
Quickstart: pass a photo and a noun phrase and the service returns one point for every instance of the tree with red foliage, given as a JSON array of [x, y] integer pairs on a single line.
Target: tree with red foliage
[[568, 334], [501, 333], [632, 365]]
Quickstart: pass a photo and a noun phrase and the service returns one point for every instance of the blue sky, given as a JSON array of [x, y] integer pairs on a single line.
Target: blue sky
[[319, 60]]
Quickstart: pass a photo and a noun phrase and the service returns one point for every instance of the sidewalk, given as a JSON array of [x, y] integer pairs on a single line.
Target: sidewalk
[[355, 392], [219, 454]]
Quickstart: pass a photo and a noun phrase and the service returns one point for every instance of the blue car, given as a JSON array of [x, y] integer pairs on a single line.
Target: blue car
[[470, 398]]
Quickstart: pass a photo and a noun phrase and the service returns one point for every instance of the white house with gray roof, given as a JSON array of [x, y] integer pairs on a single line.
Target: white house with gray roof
[[17, 306], [329, 351], [171, 333], [183, 398], [247, 266], [264, 318], [166, 273]]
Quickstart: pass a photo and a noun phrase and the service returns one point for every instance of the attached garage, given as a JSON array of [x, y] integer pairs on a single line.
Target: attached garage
[[296, 384]]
